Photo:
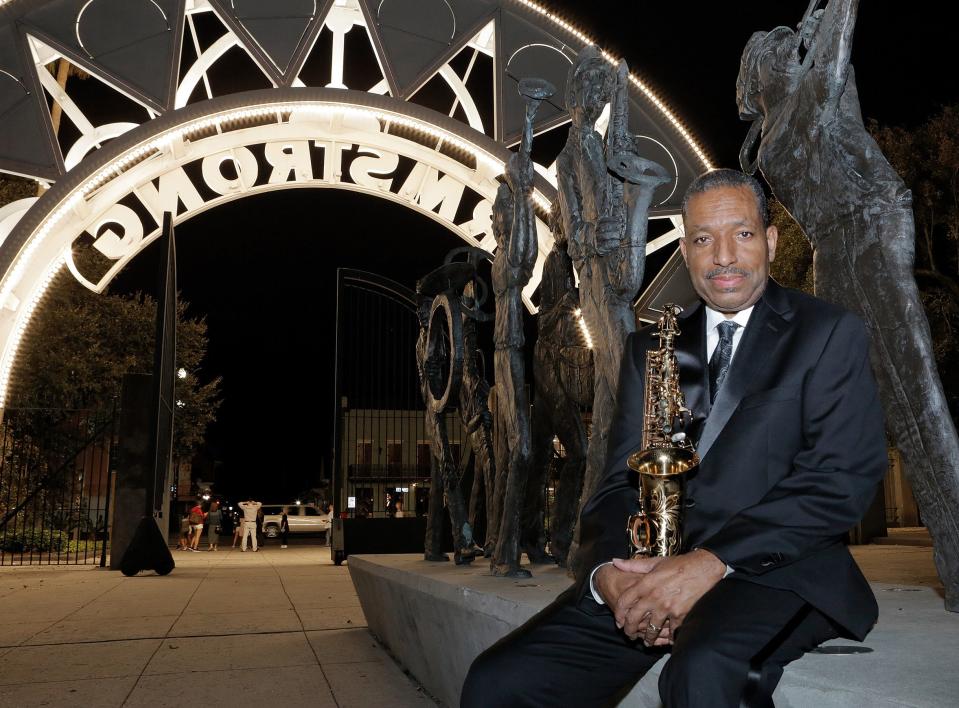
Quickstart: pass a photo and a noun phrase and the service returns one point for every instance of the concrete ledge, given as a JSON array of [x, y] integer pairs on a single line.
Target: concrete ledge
[[435, 618]]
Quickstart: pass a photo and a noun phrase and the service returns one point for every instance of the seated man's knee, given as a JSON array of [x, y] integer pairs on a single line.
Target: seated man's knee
[[489, 681], [699, 674]]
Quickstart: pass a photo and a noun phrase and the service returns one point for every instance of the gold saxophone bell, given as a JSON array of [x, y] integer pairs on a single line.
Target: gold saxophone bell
[[666, 455]]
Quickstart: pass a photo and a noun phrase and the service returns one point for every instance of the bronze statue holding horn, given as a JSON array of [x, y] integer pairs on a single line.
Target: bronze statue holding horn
[[516, 247], [605, 190]]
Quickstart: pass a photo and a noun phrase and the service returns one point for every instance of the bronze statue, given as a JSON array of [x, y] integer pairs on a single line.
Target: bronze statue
[[474, 409], [563, 389], [605, 190], [799, 90], [515, 231], [478, 428], [512, 268], [439, 361]]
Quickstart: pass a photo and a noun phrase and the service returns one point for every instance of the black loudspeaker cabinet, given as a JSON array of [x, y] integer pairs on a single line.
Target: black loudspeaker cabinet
[[383, 536]]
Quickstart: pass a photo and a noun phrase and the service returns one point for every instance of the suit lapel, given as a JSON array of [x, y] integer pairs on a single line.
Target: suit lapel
[[764, 329], [691, 355]]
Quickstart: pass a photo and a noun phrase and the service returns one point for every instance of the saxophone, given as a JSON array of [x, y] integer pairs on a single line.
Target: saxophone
[[666, 455]]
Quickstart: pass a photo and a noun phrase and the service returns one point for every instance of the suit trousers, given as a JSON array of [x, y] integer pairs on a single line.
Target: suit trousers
[[730, 651]]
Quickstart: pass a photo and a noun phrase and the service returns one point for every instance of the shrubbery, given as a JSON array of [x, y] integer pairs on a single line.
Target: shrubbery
[[32, 541], [36, 540]]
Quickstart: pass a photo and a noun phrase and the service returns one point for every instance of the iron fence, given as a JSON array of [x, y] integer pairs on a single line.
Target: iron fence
[[55, 485]]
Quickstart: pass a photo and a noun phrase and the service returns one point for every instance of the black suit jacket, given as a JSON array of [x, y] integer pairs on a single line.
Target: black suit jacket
[[791, 453]]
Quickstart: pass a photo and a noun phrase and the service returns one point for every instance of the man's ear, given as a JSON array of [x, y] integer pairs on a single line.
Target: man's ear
[[682, 249], [772, 236]]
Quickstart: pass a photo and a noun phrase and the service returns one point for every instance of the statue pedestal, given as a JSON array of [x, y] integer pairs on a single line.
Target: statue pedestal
[[435, 618]]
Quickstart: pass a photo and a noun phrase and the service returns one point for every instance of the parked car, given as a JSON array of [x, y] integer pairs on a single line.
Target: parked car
[[303, 519]]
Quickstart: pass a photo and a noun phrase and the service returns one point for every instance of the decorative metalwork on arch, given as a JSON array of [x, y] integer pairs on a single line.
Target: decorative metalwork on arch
[[191, 103], [148, 57], [109, 208]]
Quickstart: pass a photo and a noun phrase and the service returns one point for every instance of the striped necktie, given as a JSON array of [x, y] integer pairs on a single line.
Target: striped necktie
[[719, 362]]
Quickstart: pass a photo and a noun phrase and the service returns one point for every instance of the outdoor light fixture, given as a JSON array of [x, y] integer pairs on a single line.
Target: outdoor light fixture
[[297, 502], [181, 373], [180, 404], [206, 497]]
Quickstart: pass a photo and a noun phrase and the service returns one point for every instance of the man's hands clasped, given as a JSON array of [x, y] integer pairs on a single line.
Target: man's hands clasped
[[650, 597]]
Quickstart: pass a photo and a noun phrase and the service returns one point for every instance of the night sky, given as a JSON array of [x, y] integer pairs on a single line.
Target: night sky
[[262, 269]]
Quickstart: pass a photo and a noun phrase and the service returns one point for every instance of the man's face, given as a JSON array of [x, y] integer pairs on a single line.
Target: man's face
[[726, 248]]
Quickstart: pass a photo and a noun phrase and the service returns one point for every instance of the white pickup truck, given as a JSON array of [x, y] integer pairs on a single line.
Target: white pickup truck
[[303, 519]]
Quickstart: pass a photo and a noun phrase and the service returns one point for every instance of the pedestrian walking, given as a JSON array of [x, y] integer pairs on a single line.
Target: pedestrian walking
[[329, 529], [213, 519], [197, 516], [237, 528], [184, 542], [251, 510], [284, 529]]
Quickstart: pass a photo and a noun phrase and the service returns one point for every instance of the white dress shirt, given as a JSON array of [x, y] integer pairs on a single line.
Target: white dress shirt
[[713, 318]]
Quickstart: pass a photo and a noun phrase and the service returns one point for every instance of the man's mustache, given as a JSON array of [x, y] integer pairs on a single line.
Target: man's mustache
[[719, 272]]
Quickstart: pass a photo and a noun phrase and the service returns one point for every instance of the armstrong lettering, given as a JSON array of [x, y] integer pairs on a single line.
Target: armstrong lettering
[[118, 233]]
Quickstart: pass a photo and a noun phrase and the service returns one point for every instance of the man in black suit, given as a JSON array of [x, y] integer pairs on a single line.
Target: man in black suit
[[789, 431]]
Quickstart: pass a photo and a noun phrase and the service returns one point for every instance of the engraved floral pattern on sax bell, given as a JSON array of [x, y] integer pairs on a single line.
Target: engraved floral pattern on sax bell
[[665, 512]]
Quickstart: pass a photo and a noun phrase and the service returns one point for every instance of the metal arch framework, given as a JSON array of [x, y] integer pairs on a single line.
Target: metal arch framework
[[169, 67], [113, 204], [110, 160]]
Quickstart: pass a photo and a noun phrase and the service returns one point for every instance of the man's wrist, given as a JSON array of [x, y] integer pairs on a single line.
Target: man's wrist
[[592, 584], [728, 568]]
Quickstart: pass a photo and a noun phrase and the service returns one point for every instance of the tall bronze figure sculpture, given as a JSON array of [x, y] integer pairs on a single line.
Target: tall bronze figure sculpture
[[474, 408], [478, 428], [605, 191], [439, 362], [515, 231], [799, 90], [563, 388]]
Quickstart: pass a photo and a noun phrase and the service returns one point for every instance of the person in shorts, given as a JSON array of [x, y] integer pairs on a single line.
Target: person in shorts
[[197, 517]]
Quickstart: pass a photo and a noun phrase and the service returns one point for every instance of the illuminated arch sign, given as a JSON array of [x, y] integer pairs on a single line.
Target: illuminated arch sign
[[309, 144], [427, 124], [96, 221]]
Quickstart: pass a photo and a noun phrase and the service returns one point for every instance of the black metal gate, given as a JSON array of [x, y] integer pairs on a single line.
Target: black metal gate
[[381, 455], [55, 485]]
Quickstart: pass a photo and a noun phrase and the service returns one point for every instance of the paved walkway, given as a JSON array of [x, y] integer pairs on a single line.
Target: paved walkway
[[280, 628]]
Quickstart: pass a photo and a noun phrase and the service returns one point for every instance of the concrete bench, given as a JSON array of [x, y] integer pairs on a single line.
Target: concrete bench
[[435, 618]]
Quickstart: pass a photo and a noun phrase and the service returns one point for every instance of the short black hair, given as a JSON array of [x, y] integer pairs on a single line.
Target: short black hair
[[724, 177]]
